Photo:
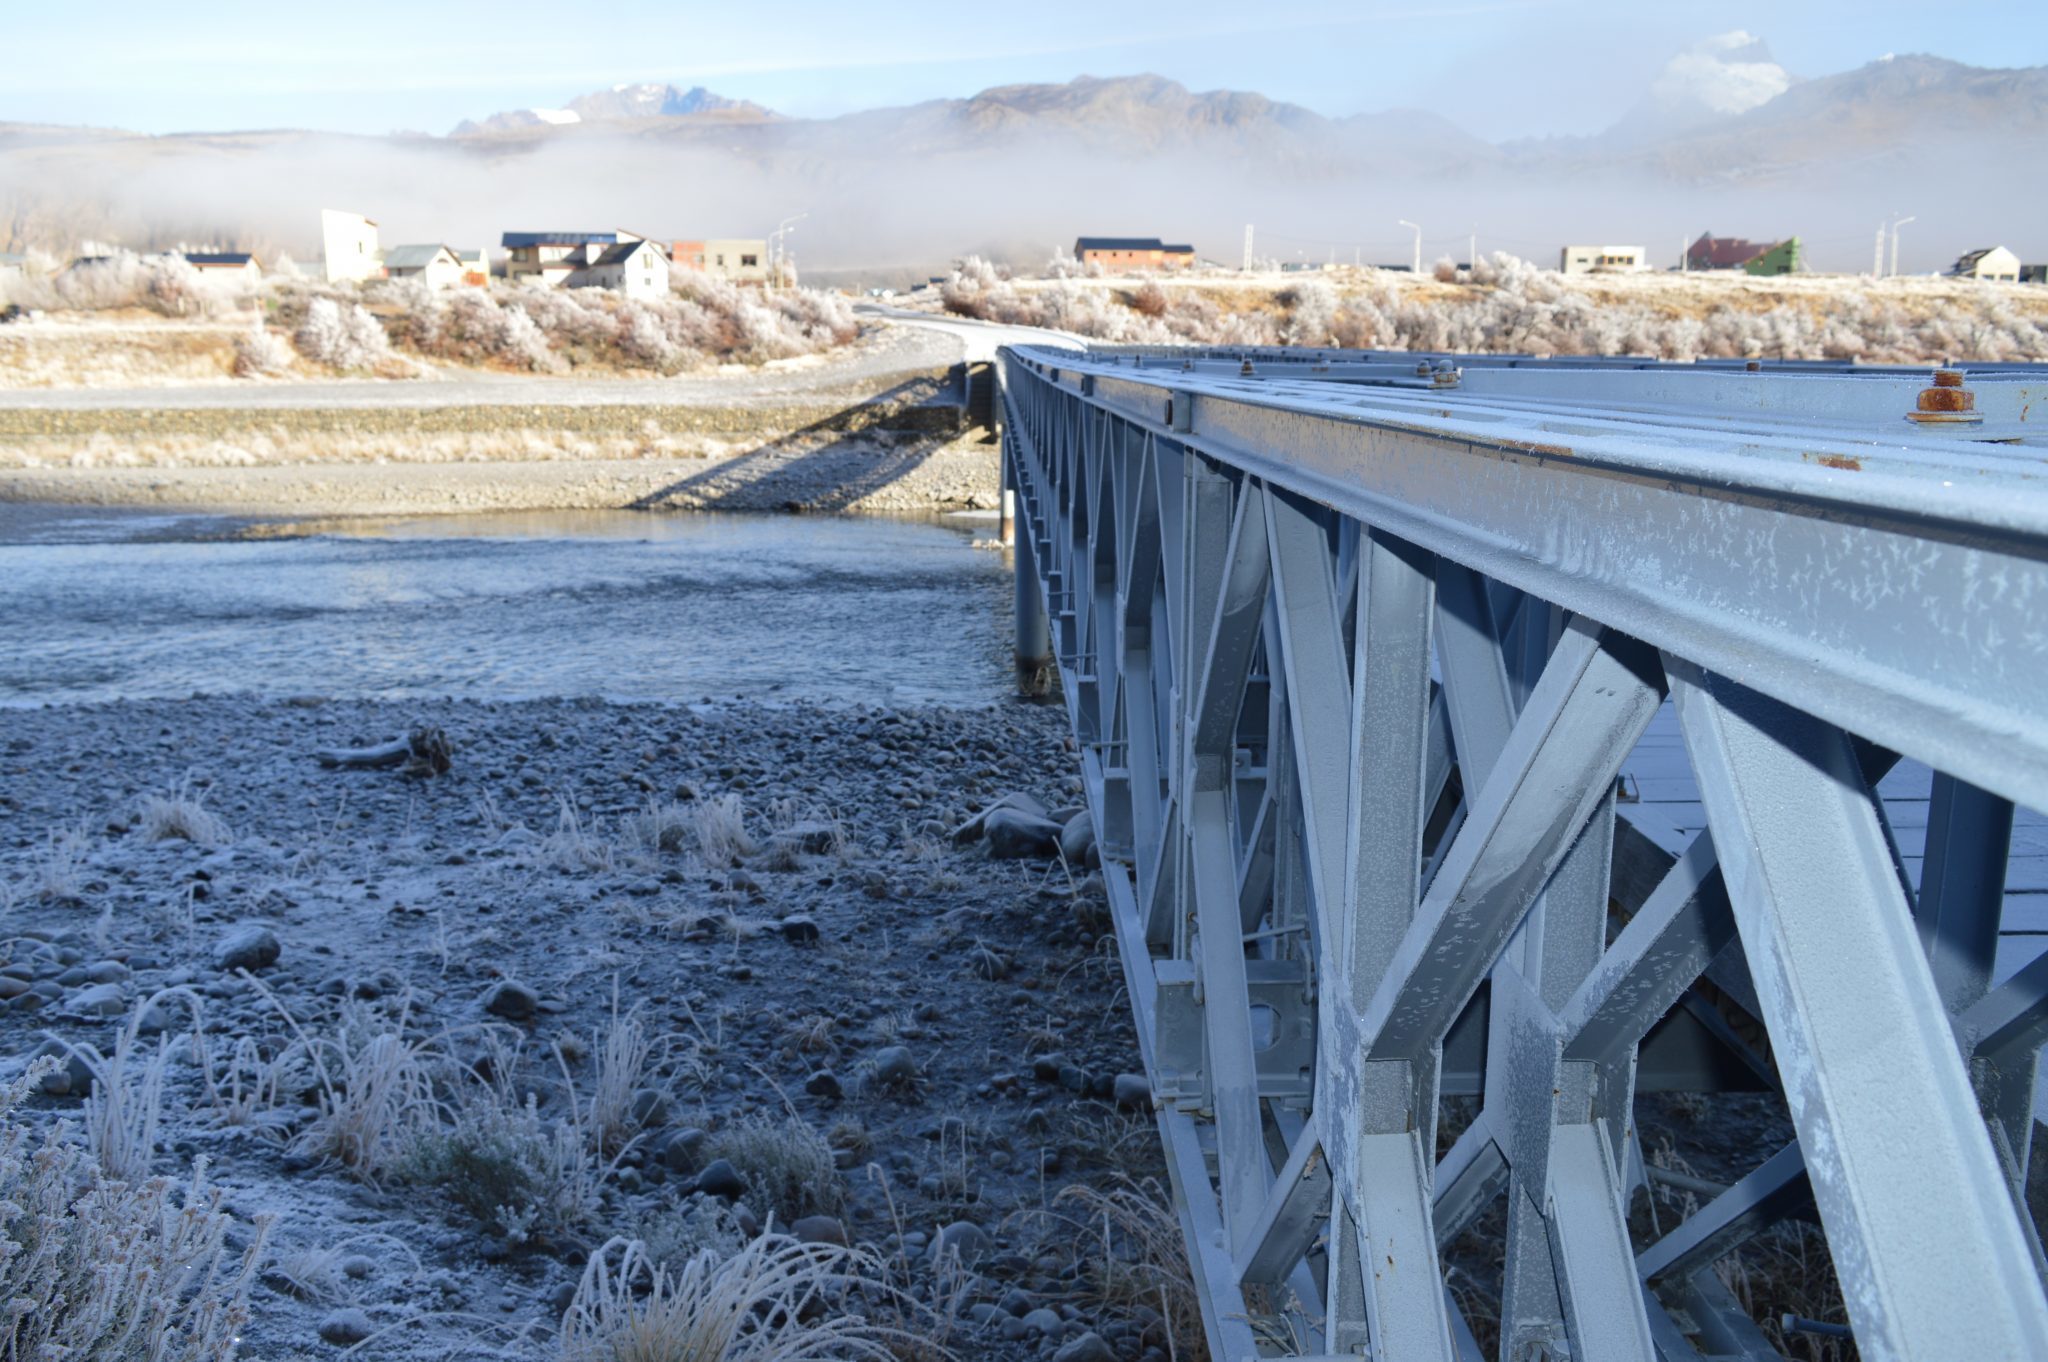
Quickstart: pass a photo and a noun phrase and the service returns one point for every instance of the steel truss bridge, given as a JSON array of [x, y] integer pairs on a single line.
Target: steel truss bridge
[[1476, 744]]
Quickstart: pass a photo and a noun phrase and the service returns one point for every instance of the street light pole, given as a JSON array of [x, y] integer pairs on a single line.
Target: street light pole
[[1418, 241], [775, 254], [1895, 242]]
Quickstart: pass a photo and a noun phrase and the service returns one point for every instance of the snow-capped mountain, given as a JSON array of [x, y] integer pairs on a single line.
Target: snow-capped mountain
[[620, 104]]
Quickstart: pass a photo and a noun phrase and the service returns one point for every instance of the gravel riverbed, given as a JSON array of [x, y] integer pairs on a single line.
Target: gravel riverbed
[[735, 966]]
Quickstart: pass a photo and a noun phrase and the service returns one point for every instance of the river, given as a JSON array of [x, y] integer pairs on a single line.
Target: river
[[102, 605]]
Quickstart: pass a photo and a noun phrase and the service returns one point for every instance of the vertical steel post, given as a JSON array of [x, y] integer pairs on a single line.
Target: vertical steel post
[[1034, 635]]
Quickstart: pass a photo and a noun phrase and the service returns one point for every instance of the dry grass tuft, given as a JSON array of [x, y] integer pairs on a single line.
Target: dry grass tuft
[[1140, 1258], [721, 828], [787, 1165], [181, 815], [775, 1300]]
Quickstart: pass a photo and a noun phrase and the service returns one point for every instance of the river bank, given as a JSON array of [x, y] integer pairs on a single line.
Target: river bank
[[734, 954], [883, 426]]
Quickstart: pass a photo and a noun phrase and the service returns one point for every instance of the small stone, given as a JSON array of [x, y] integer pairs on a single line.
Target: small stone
[[678, 1151], [722, 1180], [358, 1266], [1076, 837], [964, 1240], [1043, 1321], [799, 929], [1014, 835], [250, 946], [73, 1075], [895, 1064], [973, 828], [819, 1229], [344, 1327], [101, 1000], [649, 1107], [811, 838], [1089, 1347], [1133, 1090], [107, 972], [512, 1001], [824, 1083]]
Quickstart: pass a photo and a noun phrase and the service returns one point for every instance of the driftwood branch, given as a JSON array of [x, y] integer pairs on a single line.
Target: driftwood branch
[[423, 752]]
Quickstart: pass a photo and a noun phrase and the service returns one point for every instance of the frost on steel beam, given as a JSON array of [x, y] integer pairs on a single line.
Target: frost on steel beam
[[1860, 566], [1669, 943], [1595, 699], [1232, 587], [1926, 1241]]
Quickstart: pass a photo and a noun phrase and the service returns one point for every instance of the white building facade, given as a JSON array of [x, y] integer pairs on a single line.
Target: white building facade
[[1604, 260], [349, 242], [1993, 263]]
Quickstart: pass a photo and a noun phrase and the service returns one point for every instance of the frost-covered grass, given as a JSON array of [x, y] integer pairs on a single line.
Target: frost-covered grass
[[97, 1267], [1509, 306], [775, 1300]]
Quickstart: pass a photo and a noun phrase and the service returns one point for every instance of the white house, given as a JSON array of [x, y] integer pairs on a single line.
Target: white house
[[551, 258], [12, 266], [435, 266], [1993, 262], [233, 268], [1604, 260], [636, 268], [350, 243], [476, 268]]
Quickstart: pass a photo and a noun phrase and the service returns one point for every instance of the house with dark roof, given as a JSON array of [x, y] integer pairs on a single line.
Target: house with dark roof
[[230, 267], [435, 265], [1993, 263], [1121, 254], [551, 257], [636, 268], [1712, 252]]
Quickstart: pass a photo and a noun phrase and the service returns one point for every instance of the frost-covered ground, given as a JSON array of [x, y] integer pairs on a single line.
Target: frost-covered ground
[[642, 972], [1508, 305], [291, 326]]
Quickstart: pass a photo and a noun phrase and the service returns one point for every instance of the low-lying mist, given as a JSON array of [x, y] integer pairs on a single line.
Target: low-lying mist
[[877, 215]]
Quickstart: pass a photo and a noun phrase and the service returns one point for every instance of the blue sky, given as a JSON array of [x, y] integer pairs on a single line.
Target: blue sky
[[1502, 68]]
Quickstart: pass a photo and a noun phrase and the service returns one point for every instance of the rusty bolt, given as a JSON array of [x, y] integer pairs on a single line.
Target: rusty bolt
[[1946, 401]]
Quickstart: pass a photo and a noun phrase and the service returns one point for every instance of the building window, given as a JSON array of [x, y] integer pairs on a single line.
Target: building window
[[748, 262], [721, 261]]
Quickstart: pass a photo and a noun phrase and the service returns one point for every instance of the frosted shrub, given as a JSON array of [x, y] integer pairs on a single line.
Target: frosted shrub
[[160, 283], [116, 1272], [1312, 309], [260, 351], [341, 337]]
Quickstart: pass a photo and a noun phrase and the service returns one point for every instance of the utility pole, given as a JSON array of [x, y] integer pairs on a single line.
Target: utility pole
[[1895, 242], [1877, 261], [1418, 241], [1247, 248], [1472, 250]]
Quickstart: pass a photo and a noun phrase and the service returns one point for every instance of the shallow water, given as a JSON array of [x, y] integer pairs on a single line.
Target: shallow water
[[98, 605]]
